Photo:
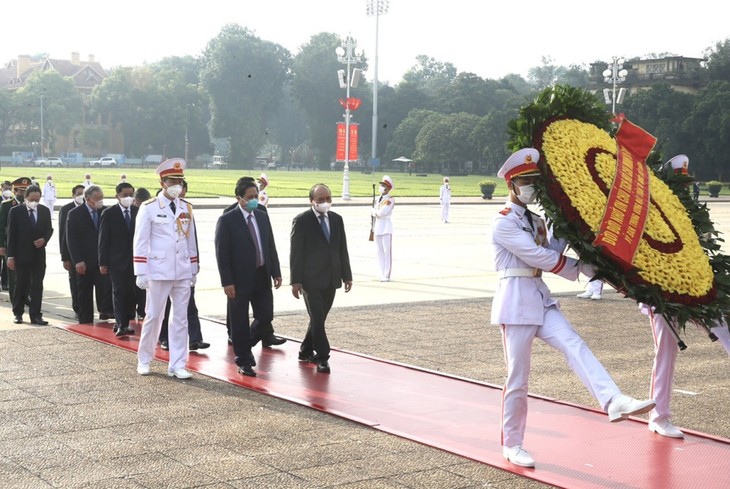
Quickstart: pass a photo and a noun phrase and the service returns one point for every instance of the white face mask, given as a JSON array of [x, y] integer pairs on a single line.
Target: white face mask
[[126, 201], [99, 204], [174, 191], [322, 208], [79, 199], [7, 194], [381, 189], [527, 194], [31, 205]]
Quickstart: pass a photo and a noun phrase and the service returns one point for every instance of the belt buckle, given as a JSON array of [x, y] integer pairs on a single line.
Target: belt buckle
[[536, 272]]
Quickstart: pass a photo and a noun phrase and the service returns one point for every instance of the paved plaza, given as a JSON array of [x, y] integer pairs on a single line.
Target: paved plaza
[[75, 413]]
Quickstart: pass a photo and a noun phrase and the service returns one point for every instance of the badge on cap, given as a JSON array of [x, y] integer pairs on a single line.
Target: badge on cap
[[21, 183], [521, 163], [679, 164], [172, 168]]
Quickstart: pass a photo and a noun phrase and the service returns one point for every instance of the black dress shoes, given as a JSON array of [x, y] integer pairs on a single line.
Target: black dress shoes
[[124, 332], [199, 345], [272, 340], [164, 345], [246, 370], [307, 357], [18, 320], [323, 367], [104, 316], [251, 359], [38, 321]]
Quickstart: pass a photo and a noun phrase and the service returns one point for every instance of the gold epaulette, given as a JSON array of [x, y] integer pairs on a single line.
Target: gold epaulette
[[152, 199], [505, 211]]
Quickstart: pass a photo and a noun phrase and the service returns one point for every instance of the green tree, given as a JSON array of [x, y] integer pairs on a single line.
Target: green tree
[[244, 77], [708, 125], [444, 142], [403, 142], [718, 61]]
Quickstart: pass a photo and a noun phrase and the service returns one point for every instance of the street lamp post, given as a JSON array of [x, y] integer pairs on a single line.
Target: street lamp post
[[347, 54], [615, 74], [41, 126], [376, 8]]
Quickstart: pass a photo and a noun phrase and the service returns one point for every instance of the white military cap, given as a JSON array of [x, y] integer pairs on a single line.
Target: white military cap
[[522, 163], [387, 181], [679, 164], [174, 168], [263, 178]]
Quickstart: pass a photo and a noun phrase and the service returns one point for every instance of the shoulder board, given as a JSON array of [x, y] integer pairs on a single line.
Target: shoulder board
[[149, 201], [505, 211], [188, 203]]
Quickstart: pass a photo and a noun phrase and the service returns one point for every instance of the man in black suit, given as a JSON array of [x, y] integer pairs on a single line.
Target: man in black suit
[[319, 264], [247, 261], [116, 233], [19, 186], [82, 236], [265, 330], [78, 199], [29, 229]]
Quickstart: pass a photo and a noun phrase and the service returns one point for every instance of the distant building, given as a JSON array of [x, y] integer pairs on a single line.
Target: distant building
[[682, 74]]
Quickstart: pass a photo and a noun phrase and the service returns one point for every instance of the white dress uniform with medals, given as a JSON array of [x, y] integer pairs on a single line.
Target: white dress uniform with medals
[[166, 253], [524, 309], [263, 195], [383, 229]]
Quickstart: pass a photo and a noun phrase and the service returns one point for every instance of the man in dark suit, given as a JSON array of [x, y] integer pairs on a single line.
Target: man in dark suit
[[265, 329], [19, 186], [29, 229], [247, 261], [77, 193], [319, 264], [116, 233], [82, 236]]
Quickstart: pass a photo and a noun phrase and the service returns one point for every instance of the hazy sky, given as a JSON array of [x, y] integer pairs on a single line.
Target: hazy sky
[[489, 38]]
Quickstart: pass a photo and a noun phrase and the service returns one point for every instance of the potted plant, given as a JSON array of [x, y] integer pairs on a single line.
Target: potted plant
[[487, 188], [714, 188]]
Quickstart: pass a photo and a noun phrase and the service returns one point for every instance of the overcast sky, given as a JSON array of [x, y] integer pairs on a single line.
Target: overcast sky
[[489, 38]]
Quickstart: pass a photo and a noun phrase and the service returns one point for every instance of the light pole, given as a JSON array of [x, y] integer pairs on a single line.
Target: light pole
[[346, 54], [41, 126], [614, 74], [376, 8], [187, 123]]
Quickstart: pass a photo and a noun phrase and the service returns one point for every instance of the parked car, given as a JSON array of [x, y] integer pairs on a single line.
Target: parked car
[[52, 161], [104, 161]]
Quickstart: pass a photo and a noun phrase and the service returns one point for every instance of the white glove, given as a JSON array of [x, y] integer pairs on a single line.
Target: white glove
[[194, 280], [143, 282], [587, 269]]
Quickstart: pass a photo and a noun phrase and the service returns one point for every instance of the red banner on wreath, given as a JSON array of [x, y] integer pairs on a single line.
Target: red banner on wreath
[[342, 142], [628, 201]]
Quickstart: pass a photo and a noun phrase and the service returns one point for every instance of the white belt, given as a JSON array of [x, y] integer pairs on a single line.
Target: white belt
[[520, 272]]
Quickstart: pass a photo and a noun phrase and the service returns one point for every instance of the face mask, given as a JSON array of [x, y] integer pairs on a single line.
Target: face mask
[[323, 207], [99, 204], [174, 191], [126, 201], [7, 194], [252, 204], [381, 189], [79, 199], [20, 197], [527, 194], [31, 205]]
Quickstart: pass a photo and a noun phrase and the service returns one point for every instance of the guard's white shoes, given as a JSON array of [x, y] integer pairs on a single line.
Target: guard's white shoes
[[586, 295], [518, 456], [180, 373], [143, 368], [596, 297], [665, 428], [623, 406]]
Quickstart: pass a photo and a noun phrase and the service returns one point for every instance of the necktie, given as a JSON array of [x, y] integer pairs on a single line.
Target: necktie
[[127, 218], [252, 230], [324, 227], [172, 206], [32, 217], [529, 219], [95, 218]]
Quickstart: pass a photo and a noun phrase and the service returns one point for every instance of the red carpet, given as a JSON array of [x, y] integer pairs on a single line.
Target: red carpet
[[574, 446]]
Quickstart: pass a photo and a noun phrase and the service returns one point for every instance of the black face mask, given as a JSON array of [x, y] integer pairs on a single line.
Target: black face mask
[[20, 197]]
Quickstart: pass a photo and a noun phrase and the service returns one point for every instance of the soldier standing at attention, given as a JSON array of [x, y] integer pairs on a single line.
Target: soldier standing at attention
[[166, 264], [383, 228], [263, 182]]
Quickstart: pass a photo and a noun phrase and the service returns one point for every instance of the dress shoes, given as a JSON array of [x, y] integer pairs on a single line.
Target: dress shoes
[[143, 368], [621, 407], [199, 345], [518, 456], [18, 320], [585, 295], [596, 297], [665, 428], [307, 357], [323, 367], [246, 370], [164, 345], [180, 373], [272, 340], [38, 321], [123, 332], [251, 359], [104, 316]]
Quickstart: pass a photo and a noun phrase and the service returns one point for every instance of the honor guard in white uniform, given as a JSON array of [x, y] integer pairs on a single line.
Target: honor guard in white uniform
[[49, 194], [594, 291], [445, 199], [666, 348], [524, 310], [383, 228], [263, 182], [166, 264]]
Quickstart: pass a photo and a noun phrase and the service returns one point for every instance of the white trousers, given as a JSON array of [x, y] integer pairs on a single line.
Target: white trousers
[[557, 332], [723, 335], [384, 243], [49, 204], [177, 335], [445, 211], [595, 287], [662, 372]]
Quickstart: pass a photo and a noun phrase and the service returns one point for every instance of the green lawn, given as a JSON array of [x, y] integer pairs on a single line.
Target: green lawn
[[213, 183]]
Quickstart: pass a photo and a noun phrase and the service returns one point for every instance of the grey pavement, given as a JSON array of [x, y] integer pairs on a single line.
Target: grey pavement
[[75, 413]]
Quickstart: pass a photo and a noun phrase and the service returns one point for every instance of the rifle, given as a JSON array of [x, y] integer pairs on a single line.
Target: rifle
[[372, 219]]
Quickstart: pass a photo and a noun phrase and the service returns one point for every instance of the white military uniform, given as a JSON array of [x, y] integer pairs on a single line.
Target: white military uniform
[[49, 195], [445, 198], [383, 230], [263, 195], [524, 309], [165, 250]]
